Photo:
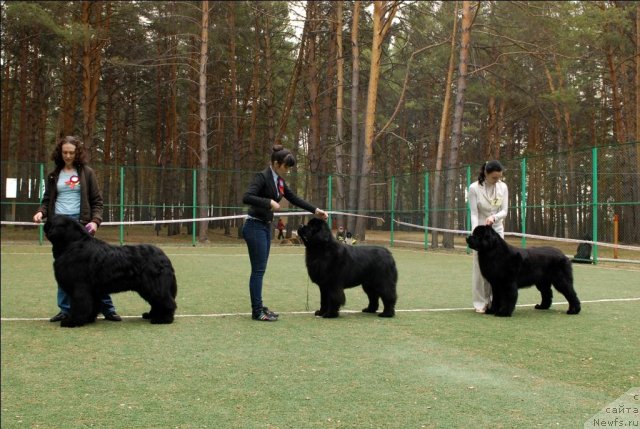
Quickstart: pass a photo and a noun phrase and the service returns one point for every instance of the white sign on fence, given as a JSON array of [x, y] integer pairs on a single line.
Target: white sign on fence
[[12, 187]]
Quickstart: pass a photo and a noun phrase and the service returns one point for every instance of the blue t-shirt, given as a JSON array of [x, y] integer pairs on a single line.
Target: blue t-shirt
[[68, 199]]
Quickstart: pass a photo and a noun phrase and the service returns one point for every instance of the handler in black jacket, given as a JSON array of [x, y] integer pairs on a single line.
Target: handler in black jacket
[[263, 195]]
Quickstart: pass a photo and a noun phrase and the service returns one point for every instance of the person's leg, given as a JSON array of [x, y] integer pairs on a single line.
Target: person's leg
[[257, 235], [64, 301], [480, 288], [108, 309], [64, 304]]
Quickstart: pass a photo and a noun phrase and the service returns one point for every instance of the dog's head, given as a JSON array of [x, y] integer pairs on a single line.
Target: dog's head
[[62, 230], [315, 233], [483, 238]]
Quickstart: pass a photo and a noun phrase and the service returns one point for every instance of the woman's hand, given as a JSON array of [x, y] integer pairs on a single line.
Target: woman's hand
[[91, 228], [37, 218], [274, 205], [321, 214], [490, 220]]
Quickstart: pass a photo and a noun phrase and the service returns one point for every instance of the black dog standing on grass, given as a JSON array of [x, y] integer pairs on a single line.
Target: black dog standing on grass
[[334, 266], [88, 268], [508, 268]]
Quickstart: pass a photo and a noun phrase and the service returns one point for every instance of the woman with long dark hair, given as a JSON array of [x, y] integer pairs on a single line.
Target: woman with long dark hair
[[265, 191], [72, 190], [489, 202]]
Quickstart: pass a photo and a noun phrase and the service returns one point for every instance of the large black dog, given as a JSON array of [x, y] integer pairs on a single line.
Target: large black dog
[[87, 268], [334, 266], [508, 268]]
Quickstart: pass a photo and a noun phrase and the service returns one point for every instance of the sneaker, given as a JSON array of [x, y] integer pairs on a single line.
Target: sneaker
[[272, 313], [114, 317], [59, 317], [264, 316]]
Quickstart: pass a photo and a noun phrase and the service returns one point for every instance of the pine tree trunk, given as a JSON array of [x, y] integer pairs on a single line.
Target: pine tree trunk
[[339, 179], [436, 217], [202, 180], [383, 13], [456, 137], [354, 179]]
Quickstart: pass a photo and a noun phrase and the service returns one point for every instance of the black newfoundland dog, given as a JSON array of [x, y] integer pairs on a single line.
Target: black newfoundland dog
[[334, 266], [508, 268], [87, 268]]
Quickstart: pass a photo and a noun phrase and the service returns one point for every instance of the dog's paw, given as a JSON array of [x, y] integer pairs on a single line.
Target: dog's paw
[[161, 321], [541, 307], [502, 314], [67, 323], [573, 310], [146, 316], [369, 310], [387, 314], [331, 315]]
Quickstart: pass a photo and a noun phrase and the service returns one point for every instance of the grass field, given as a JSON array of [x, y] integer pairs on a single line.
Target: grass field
[[437, 364]]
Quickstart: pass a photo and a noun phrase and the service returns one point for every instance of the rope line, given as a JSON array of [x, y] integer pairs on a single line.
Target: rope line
[[205, 219], [292, 313], [517, 234]]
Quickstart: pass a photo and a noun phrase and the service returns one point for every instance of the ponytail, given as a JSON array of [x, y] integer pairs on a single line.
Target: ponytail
[[488, 167]]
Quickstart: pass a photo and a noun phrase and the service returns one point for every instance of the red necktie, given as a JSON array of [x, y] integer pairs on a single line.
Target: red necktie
[[280, 186]]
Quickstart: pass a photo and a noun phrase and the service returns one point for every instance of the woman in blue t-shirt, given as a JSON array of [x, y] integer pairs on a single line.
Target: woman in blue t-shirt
[[72, 190]]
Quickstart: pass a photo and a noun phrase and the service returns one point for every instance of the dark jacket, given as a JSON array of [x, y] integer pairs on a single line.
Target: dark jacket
[[262, 190], [91, 204]]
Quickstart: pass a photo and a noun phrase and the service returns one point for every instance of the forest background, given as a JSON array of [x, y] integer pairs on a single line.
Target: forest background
[[357, 90]]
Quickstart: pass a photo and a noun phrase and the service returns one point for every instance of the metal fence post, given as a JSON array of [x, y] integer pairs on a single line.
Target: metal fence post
[[121, 205], [330, 198], [194, 210], [41, 195], [523, 200], [468, 220], [393, 200], [425, 222], [594, 198]]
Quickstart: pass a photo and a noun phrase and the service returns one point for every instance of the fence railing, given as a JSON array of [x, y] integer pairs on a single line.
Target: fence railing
[[591, 195]]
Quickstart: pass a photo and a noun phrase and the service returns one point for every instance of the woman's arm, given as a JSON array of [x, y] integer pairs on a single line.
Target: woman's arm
[[473, 204]]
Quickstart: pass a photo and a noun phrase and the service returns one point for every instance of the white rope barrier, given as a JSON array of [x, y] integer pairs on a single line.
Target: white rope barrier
[[517, 234], [379, 219], [206, 219]]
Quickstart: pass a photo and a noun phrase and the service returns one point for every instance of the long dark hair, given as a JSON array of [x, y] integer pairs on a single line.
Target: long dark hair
[[282, 156], [81, 155], [488, 167]]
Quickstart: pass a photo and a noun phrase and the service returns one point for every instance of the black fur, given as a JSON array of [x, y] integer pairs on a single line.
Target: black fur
[[335, 266], [508, 268], [87, 268], [583, 253]]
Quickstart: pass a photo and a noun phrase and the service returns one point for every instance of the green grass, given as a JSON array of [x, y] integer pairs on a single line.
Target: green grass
[[421, 369]]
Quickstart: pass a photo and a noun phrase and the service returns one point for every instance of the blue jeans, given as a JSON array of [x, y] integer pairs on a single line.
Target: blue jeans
[[257, 234], [64, 301]]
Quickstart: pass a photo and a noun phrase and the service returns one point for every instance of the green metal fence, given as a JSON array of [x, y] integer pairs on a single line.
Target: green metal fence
[[584, 194], [591, 194]]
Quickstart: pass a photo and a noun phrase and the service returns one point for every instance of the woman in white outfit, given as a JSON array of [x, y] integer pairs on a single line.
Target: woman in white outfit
[[489, 202]]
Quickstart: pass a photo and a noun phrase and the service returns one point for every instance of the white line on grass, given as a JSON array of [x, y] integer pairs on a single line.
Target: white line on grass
[[415, 310]]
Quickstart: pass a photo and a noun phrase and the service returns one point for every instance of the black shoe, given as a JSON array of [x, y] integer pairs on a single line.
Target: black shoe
[[114, 317], [264, 316], [59, 317], [266, 310]]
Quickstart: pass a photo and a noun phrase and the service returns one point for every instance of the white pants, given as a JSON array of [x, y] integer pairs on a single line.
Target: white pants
[[480, 287]]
